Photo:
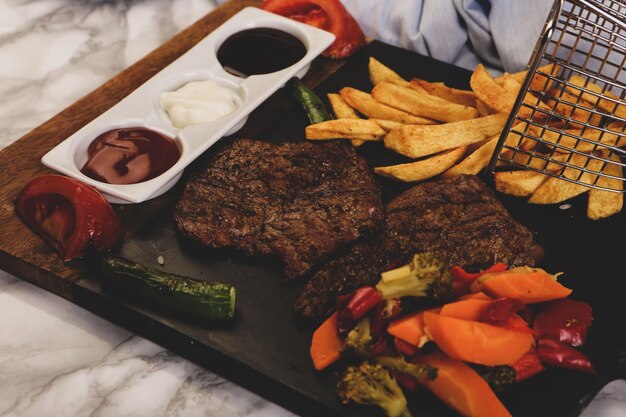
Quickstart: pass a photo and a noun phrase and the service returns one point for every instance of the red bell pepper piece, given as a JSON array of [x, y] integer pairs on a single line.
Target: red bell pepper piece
[[463, 280], [405, 349], [553, 353], [69, 215], [527, 366], [329, 15], [355, 305], [565, 320], [382, 347], [406, 381], [501, 310]]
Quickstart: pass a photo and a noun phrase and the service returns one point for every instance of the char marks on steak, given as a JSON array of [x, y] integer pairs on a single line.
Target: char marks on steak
[[458, 218], [299, 202]]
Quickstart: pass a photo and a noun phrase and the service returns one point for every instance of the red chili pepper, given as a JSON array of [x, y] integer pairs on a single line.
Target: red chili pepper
[[355, 305], [329, 15], [382, 347], [553, 353], [463, 280], [69, 215], [565, 320], [407, 350], [501, 310], [527, 366]]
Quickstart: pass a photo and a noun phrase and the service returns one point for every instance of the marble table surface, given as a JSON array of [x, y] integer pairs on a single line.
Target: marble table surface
[[57, 359]]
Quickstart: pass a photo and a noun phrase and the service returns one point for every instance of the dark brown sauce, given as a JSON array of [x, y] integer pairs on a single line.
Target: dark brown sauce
[[259, 51], [129, 156]]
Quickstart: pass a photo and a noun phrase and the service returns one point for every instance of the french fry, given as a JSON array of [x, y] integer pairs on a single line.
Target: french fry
[[421, 104], [388, 125], [380, 73], [510, 84], [342, 110], [548, 162], [463, 97], [476, 161], [498, 99], [556, 190], [518, 183], [365, 104], [416, 141], [539, 82], [608, 106], [487, 90], [603, 204], [424, 169], [596, 138], [482, 108], [345, 129], [573, 107]]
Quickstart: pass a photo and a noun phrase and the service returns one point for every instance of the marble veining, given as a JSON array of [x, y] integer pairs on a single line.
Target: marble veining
[[57, 359]]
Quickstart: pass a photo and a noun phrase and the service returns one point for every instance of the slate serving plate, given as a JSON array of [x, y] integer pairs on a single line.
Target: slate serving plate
[[266, 350]]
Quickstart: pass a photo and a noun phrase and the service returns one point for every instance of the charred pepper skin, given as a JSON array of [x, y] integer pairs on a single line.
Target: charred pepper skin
[[69, 215]]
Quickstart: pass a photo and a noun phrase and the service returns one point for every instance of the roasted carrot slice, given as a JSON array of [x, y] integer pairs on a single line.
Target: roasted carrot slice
[[476, 342], [326, 344], [472, 309], [461, 388], [409, 329], [529, 287], [517, 323]]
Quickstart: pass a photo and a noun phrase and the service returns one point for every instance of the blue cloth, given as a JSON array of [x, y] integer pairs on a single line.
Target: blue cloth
[[498, 33]]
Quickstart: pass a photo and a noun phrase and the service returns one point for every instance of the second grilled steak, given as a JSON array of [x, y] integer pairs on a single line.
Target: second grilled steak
[[299, 202], [458, 218]]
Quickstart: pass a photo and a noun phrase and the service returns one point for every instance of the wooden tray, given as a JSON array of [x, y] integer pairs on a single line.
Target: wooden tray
[[25, 255], [265, 350]]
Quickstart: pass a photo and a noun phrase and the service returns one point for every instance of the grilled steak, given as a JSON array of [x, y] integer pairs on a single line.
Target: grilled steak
[[299, 202], [459, 218]]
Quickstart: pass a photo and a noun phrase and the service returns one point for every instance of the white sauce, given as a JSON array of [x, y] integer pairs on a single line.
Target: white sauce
[[198, 102]]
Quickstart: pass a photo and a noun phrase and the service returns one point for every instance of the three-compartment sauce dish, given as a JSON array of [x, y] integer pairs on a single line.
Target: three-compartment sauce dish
[[139, 148]]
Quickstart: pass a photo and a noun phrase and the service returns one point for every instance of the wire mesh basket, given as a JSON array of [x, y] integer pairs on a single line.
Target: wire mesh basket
[[569, 121]]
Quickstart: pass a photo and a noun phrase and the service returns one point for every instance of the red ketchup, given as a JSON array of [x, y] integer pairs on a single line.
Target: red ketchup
[[129, 155]]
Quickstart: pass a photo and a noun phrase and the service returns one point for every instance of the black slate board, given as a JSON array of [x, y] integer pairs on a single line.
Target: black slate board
[[266, 350]]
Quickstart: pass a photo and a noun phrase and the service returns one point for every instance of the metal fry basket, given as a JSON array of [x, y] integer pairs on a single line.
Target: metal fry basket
[[569, 120]]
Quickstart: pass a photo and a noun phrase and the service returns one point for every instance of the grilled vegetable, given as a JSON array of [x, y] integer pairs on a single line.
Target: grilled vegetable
[[426, 275], [461, 388], [553, 353], [355, 305], [311, 103], [373, 385], [206, 300], [329, 15], [566, 320], [326, 345], [359, 340], [418, 371], [71, 216], [527, 366]]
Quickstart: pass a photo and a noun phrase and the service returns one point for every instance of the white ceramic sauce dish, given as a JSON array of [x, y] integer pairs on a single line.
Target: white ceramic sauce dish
[[141, 108]]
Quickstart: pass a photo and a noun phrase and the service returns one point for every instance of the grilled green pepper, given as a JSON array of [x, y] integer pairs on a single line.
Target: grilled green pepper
[[206, 300]]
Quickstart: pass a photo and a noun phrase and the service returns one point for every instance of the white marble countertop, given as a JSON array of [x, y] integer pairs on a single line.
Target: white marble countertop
[[57, 359]]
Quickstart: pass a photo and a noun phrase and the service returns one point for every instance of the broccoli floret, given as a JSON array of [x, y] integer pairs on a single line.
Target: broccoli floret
[[419, 371], [359, 340], [371, 384], [426, 275], [498, 377]]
